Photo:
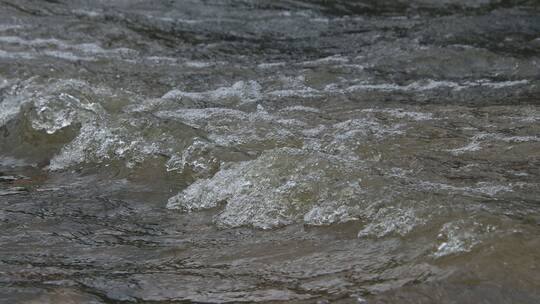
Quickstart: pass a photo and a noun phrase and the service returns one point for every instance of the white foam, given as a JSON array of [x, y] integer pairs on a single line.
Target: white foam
[[7, 27], [461, 236], [197, 158], [87, 13], [325, 60], [305, 92], [280, 187], [475, 144], [430, 84], [63, 48], [99, 143], [246, 91], [270, 65], [497, 85], [482, 188], [198, 64], [66, 56], [300, 109], [18, 94], [470, 147], [229, 127], [401, 113], [365, 127], [159, 59], [16, 55], [391, 220]]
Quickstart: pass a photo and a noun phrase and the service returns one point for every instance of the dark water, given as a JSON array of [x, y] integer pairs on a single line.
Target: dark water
[[270, 151]]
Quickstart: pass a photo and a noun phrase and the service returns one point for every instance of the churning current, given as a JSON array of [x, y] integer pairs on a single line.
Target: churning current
[[226, 151]]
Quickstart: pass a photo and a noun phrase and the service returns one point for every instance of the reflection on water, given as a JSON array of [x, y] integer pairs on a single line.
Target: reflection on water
[[305, 152]]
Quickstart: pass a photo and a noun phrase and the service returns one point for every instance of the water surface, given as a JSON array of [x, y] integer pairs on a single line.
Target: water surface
[[269, 151]]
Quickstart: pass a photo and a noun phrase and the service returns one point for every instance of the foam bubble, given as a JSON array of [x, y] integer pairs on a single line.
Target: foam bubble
[[280, 187], [249, 91], [461, 236]]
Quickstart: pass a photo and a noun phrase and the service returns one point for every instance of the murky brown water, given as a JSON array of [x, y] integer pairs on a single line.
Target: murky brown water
[[269, 151]]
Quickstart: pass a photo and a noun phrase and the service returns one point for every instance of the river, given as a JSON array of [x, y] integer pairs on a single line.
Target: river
[[225, 151]]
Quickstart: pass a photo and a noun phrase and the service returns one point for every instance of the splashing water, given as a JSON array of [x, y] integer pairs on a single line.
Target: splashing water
[[293, 151]]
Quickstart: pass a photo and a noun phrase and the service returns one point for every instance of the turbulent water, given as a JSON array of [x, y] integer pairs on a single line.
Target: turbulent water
[[270, 151]]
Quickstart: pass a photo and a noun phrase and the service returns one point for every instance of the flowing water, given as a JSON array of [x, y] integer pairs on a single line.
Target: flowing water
[[270, 151]]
